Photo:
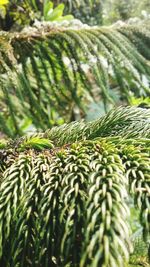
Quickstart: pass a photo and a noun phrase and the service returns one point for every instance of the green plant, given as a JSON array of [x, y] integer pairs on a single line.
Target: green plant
[[19, 14], [54, 14], [64, 194], [141, 102], [49, 70], [97, 12]]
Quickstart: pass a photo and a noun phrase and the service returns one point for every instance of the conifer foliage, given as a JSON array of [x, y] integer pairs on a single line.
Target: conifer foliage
[[47, 70], [64, 193]]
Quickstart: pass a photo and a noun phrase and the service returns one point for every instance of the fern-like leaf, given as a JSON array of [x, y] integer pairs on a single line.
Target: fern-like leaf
[[47, 71]]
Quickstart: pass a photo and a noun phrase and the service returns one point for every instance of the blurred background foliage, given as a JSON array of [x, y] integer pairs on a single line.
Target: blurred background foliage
[[18, 13], [24, 13]]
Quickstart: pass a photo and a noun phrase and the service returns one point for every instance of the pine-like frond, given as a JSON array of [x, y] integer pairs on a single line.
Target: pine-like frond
[[66, 203], [128, 122], [47, 71]]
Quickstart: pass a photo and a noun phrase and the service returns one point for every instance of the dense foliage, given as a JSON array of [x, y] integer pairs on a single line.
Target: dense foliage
[[48, 70], [76, 195], [64, 194], [16, 13]]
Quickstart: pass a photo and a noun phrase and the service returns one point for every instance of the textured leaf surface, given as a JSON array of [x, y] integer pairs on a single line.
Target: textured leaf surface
[[66, 204]]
